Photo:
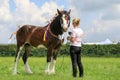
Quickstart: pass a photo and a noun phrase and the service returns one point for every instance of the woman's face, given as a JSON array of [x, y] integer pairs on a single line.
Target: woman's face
[[74, 25]]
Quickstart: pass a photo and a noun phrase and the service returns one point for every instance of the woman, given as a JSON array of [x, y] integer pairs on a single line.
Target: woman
[[75, 48]]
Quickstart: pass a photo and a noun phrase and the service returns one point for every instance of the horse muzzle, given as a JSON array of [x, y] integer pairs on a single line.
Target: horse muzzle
[[65, 29]]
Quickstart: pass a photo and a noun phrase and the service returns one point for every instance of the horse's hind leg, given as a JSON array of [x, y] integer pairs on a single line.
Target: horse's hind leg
[[19, 48], [25, 58]]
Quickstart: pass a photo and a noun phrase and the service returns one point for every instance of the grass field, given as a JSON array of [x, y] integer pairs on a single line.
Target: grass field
[[94, 69]]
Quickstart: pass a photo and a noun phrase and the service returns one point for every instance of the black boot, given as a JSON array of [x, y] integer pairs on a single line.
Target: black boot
[[80, 75], [74, 75], [74, 72]]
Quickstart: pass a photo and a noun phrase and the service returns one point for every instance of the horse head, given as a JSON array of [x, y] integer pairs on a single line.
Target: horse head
[[61, 22], [64, 18]]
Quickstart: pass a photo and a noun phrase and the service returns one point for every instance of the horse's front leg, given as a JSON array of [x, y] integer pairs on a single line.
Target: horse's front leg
[[52, 66], [49, 54]]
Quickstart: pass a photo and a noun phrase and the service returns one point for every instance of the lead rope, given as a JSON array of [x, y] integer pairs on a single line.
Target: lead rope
[[62, 62]]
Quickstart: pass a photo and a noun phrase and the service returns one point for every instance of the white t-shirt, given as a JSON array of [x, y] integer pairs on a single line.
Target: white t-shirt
[[77, 33]]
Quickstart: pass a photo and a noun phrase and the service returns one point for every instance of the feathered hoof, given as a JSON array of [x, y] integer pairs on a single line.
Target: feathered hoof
[[29, 72], [49, 72], [15, 73]]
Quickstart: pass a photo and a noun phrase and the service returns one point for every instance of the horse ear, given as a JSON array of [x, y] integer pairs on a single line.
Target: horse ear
[[69, 11], [58, 11]]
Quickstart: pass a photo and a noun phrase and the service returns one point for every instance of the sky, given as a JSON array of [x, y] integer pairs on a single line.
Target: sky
[[99, 19]]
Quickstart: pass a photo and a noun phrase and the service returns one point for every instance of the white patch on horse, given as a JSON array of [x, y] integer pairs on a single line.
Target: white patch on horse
[[47, 68], [61, 36], [27, 68], [52, 67], [65, 23], [16, 61]]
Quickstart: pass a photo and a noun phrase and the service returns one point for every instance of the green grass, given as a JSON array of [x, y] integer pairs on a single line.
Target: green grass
[[94, 69]]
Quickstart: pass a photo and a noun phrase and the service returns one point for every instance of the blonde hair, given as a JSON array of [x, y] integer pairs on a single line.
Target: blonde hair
[[76, 21]]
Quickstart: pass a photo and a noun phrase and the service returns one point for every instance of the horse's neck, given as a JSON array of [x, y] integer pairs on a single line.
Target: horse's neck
[[56, 28]]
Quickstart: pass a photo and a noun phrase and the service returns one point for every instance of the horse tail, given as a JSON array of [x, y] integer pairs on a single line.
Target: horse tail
[[14, 33], [11, 36]]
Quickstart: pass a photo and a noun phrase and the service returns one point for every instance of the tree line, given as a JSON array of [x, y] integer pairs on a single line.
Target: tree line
[[112, 50]]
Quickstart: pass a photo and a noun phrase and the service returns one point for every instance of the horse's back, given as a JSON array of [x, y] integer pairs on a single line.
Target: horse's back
[[27, 33]]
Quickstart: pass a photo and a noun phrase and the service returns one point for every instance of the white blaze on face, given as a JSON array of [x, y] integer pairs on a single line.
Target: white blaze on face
[[65, 23]]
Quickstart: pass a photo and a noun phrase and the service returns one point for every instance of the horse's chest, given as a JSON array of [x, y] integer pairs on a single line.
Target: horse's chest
[[53, 43]]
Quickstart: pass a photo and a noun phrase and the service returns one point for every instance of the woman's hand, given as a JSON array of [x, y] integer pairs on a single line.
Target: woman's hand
[[72, 39]]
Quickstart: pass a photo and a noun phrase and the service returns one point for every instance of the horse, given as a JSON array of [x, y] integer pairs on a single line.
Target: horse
[[48, 35]]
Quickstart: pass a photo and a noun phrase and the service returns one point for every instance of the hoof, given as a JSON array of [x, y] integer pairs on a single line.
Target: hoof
[[14, 73], [51, 72], [30, 72], [46, 71]]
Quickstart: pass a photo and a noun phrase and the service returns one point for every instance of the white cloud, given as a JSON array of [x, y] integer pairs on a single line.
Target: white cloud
[[29, 12], [5, 15], [112, 13], [5, 20]]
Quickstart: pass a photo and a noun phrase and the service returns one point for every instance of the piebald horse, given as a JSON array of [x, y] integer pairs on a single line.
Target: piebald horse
[[30, 35]]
